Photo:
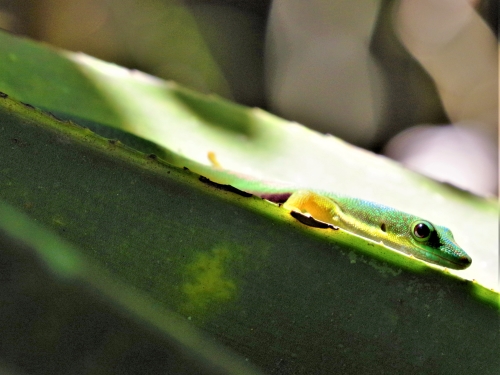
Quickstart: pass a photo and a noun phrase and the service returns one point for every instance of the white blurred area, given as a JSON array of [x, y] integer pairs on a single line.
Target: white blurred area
[[460, 52], [457, 154], [319, 71]]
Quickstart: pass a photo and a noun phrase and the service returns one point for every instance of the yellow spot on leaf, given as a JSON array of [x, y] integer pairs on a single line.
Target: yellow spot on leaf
[[208, 284]]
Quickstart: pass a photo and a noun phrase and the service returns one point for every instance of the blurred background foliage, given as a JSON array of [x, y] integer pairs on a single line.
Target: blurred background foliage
[[390, 76], [210, 46]]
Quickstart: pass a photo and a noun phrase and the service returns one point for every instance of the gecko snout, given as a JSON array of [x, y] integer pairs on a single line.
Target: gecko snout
[[465, 260]]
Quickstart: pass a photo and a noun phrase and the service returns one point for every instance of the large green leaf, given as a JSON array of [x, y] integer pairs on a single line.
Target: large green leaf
[[290, 298]]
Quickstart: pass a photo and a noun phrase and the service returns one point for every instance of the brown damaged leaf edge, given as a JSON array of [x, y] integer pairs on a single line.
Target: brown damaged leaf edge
[[5, 96], [311, 222], [229, 188], [276, 198], [28, 105], [54, 116]]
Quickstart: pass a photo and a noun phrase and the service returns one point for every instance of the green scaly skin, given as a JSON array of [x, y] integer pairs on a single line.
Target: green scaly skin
[[407, 233]]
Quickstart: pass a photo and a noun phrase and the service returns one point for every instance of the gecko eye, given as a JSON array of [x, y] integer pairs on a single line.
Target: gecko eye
[[422, 230]]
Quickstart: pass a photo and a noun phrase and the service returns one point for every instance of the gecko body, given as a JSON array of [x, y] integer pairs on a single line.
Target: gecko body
[[404, 232]]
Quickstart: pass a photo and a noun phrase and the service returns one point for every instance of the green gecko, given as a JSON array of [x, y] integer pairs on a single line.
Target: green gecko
[[404, 232]]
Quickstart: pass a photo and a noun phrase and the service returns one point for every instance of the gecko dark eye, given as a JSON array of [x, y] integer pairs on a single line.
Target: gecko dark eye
[[422, 230]]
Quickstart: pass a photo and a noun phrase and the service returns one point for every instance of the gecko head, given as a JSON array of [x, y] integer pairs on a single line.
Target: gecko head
[[437, 243]]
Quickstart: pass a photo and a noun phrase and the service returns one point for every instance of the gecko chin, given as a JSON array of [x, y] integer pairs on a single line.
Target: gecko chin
[[445, 260], [460, 263], [455, 261]]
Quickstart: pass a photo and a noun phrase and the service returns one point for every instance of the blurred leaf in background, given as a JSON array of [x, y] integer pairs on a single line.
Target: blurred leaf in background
[[213, 46], [348, 68]]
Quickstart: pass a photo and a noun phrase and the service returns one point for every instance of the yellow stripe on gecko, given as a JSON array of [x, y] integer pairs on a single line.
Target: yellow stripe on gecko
[[399, 230]]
